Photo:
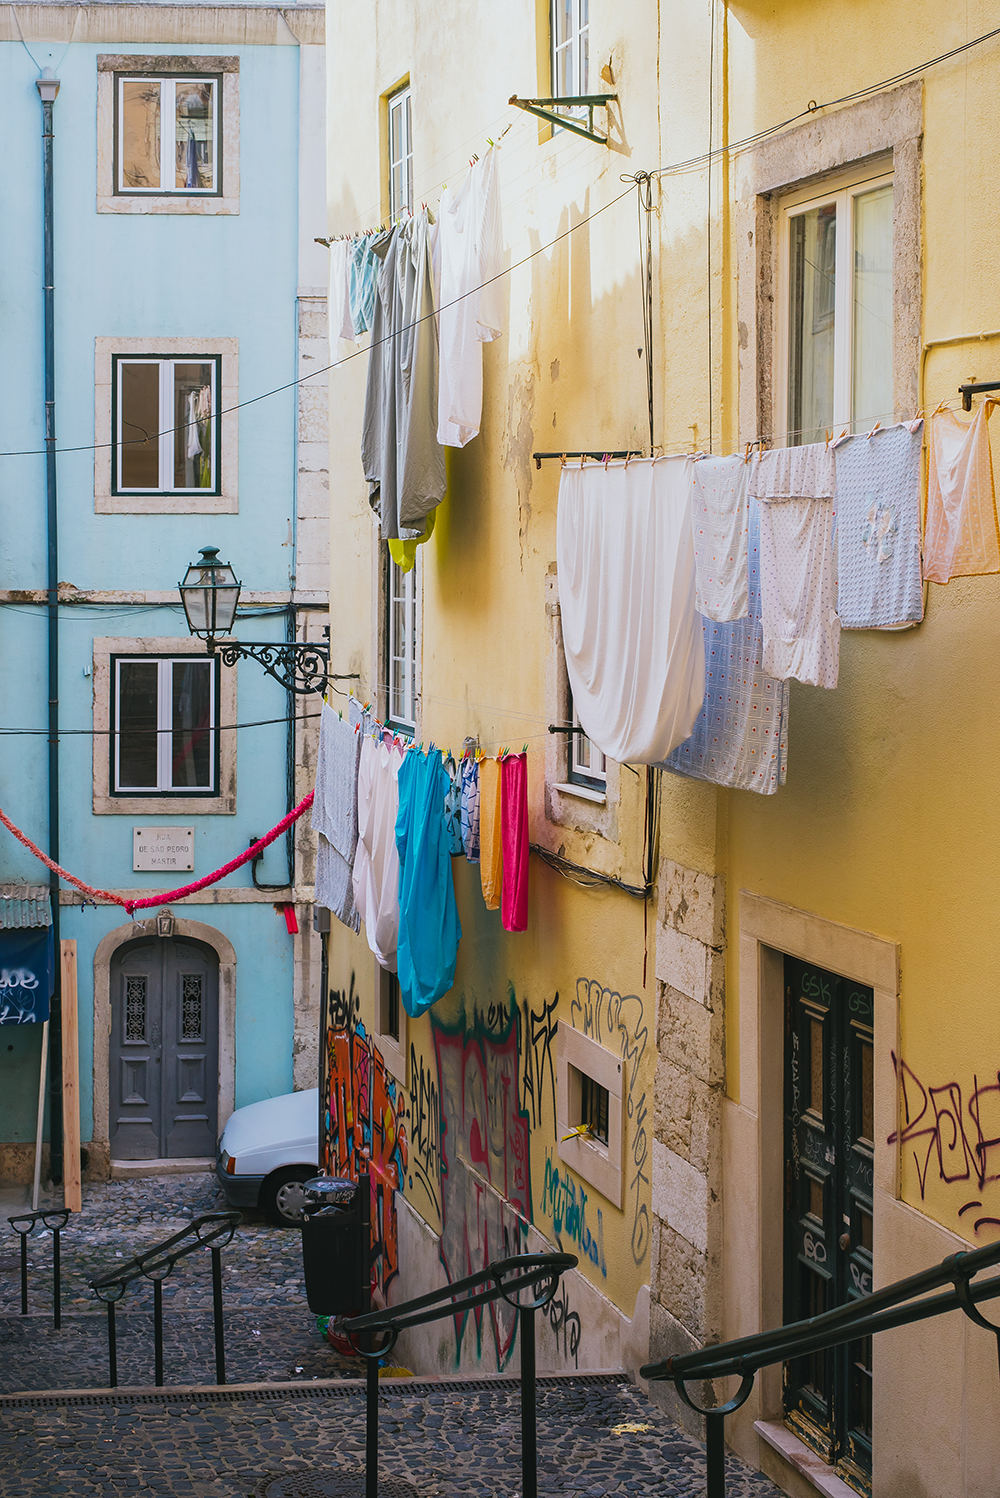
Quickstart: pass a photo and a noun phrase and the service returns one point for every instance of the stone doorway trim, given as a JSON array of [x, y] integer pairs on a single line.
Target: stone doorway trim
[[131, 931], [753, 1131]]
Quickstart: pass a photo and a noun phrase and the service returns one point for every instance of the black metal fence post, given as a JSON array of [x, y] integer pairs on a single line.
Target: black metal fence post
[[112, 1348], [371, 1380], [24, 1271], [158, 1333], [220, 1335], [529, 1425], [715, 1455], [56, 1282]]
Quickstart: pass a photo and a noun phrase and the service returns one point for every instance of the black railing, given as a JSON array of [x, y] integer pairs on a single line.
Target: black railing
[[532, 1276], [55, 1219], [894, 1306], [214, 1231]]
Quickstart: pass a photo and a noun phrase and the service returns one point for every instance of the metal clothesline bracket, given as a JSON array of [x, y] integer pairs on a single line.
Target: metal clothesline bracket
[[632, 452], [545, 110], [979, 388]]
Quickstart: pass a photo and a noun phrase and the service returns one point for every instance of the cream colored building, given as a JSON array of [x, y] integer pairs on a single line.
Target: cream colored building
[[871, 872]]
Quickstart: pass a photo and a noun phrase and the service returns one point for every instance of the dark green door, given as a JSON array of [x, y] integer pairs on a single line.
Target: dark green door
[[829, 1153]]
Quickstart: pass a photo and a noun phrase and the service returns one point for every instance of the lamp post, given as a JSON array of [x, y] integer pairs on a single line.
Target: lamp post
[[210, 593]]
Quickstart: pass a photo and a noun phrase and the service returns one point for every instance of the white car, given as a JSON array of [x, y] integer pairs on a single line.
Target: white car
[[266, 1151]]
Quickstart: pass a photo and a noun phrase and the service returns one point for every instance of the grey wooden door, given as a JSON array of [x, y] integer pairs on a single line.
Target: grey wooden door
[[164, 1071]]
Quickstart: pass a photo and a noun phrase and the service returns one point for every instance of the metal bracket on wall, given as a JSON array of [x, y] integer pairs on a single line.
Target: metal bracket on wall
[[968, 391], [545, 111]]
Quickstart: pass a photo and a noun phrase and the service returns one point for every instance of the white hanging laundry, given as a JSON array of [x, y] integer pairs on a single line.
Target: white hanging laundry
[[376, 861], [470, 246], [339, 301], [193, 448], [795, 487], [962, 539], [878, 528], [719, 521], [633, 641], [335, 813]]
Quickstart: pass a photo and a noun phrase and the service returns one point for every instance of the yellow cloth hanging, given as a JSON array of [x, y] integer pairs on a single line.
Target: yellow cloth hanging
[[404, 553], [490, 844]]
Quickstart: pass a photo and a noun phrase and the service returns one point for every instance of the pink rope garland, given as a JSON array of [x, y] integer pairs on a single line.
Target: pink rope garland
[[131, 906]]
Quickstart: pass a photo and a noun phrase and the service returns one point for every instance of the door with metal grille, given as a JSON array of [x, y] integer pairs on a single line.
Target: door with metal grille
[[829, 1153], [164, 1066]]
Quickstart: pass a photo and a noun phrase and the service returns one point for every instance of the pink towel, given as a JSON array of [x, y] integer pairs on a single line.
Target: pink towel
[[514, 840]]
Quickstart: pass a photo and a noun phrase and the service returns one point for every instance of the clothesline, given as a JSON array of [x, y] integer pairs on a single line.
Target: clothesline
[[131, 906]]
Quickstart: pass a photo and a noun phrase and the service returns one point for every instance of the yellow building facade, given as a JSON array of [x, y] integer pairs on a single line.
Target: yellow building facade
[[867, 879]]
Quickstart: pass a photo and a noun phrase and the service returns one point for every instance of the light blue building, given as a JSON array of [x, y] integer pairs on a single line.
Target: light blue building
[[187, 192]]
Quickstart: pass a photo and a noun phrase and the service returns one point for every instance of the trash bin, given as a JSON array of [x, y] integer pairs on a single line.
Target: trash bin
[[332, 1250]]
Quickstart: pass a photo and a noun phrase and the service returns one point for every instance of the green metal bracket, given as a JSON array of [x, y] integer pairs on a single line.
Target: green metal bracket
[[544, 111]]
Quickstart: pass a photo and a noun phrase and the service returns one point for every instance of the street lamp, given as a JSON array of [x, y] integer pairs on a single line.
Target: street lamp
[[210, 592]]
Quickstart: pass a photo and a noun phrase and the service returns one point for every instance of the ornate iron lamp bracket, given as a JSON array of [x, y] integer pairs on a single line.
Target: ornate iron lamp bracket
[[302, 667]]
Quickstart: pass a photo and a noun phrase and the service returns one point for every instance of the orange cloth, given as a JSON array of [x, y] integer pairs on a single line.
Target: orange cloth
[[490, 842], [961, 537]]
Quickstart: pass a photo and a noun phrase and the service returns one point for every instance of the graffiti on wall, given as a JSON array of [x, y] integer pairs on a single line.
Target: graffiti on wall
[[566, 1203], [954, 1137], [536, 1036], [618, 1021], [364, 1110], [485, 1164]]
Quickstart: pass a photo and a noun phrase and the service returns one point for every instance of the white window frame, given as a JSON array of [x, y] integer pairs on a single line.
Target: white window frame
[[164, 728], [224, 199], [400, 108], [404, 651], [600, 1164], [590, 771], [572, 46], [841, 191], [168, 138], [393, 1047], [167, 419]]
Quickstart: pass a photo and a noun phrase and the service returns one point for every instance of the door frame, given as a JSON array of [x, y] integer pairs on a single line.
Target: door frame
[[133, 931], [753, 1143]]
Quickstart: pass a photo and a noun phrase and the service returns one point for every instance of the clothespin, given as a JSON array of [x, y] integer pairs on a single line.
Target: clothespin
[[607, 459], [525, 749], [627, 456], [874, 430], [562, 460], [828, 436]]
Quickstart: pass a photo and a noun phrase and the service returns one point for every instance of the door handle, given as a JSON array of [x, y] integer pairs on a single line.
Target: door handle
[[845, 1241]]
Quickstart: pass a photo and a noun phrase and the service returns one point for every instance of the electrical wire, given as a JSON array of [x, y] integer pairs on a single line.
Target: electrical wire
[[89, 447], [103, 733]]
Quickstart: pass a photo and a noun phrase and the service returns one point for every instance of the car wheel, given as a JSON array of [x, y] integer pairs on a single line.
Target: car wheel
[[282, 1197]]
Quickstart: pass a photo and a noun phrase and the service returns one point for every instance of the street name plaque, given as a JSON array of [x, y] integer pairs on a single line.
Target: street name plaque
[[167, 848]]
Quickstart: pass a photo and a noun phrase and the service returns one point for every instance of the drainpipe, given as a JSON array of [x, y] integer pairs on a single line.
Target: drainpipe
[[48, 87]]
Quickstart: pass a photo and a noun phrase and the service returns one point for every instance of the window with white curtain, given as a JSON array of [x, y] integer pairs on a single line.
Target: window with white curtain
[[401, 647], [835, 311]]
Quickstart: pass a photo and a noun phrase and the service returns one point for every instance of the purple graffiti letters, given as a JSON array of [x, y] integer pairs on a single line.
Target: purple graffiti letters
[[963, 1139]]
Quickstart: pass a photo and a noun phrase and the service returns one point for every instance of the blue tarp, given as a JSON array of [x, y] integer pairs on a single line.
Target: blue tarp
[[27, 975]]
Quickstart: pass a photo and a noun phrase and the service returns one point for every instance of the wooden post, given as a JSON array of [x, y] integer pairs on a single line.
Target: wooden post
[[72, 1194]]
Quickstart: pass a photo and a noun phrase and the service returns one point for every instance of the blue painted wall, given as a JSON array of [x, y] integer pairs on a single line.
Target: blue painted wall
[[161, 275]]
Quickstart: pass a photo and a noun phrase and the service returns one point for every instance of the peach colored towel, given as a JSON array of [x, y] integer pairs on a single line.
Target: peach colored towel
[[514, 838], [490, 841], [961, 537]]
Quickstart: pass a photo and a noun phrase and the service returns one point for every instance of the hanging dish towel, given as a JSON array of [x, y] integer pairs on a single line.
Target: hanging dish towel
[[362, 273], [719, 522], [741, 736], [490, 837], [335, 812], [795, 488], [514, 837], [878, 528], [961, 537], [429, 929], [376, 861], [453, 807], [632, 638], [339, 304], [470, 243], [470, 809]]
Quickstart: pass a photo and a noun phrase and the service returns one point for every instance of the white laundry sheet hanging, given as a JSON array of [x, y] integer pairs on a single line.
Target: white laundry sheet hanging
[[795, 486], [633, 641], [376, 859], [719, 519]]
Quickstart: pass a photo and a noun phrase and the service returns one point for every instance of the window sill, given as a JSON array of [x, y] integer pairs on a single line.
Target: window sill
[[567, 788], [798, 1455], [166, 203]]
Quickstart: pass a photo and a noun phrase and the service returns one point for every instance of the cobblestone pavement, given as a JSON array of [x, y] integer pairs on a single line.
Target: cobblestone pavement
[[270, 1333], [597, 1436]]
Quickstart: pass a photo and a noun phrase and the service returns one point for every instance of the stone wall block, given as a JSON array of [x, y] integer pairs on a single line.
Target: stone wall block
[[680, 1195], [690, 1036], [692, 903], [668, 1338], [673, 1104], [683, 962], [681, 1281]]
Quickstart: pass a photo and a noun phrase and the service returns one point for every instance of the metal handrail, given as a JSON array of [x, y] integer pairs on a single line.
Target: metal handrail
[[24, 1224], [895, 1305], [505, 1279], [213, 1230]]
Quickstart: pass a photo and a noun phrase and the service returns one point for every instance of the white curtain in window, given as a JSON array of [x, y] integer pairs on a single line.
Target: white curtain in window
[[633, 642]]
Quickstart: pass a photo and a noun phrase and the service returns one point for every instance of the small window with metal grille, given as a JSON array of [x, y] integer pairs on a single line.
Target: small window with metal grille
[[594, 1106]]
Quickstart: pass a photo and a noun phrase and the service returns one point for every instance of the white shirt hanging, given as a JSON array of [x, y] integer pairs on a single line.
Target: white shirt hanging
[[470, 246]]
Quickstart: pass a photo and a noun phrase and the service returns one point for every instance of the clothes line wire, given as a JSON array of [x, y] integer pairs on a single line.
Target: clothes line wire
[[98, 733], [293, 384]]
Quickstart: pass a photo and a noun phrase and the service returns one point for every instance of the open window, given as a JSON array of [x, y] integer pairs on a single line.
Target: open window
[[590, 1111]]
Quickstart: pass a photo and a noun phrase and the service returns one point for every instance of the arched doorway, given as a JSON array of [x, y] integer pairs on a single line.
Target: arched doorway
[[163, 1082]]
